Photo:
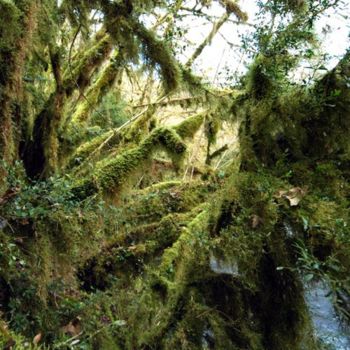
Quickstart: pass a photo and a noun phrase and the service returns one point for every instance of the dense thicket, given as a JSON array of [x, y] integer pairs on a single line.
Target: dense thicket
[[110, 231]]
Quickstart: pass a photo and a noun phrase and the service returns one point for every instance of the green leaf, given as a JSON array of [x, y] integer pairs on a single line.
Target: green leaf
[[309, 277], [305, 223]]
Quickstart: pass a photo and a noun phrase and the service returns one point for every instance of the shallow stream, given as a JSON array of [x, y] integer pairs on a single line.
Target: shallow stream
[[327, 326]]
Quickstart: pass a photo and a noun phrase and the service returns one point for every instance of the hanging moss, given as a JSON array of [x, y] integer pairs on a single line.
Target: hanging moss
[[258, 81], [192, 82], [212, 126], [157, 53], [15, 37], [111, 140], [141, 126], [294, 122], [328, 128]]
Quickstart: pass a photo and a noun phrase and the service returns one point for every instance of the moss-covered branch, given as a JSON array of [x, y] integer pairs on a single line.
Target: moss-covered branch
[[95, 92], [216, 27], [233, 7], [132, 132], [190, 125], [78, 72], [111, 174]]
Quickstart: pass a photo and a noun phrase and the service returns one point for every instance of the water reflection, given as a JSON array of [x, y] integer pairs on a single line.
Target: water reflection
[[223, 266]]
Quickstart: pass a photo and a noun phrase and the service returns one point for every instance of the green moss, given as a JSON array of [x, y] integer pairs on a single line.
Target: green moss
[[10, 30], [190, 125], [95, 93], [90, 59], [176, 299], [212, 126], [163, 233], [9, 337], [249, 233], [141, 126], [12, 48], [157, 53], [191, 82], [287, 123], [161, 186], [186, 240], [87, 148], [152, 204], [112, 173], [258, 82], [127, 253], [233, 7], [115, 172], [98, 146]]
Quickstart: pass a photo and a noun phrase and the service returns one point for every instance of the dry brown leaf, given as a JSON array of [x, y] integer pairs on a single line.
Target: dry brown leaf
[[294, 195], [37, 338], [137, 248], [73, 328], [256, 221], [10, 344], [11, 192], [25, 222], [3, 327], [175, 194], [19, 240]]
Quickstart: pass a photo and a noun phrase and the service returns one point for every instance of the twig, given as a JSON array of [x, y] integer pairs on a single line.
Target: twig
[[66, 342], [218, 152], [180, 99], [216, 26]]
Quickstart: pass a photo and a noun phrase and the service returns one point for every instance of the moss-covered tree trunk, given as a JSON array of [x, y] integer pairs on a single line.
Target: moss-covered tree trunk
[[15, 39]]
